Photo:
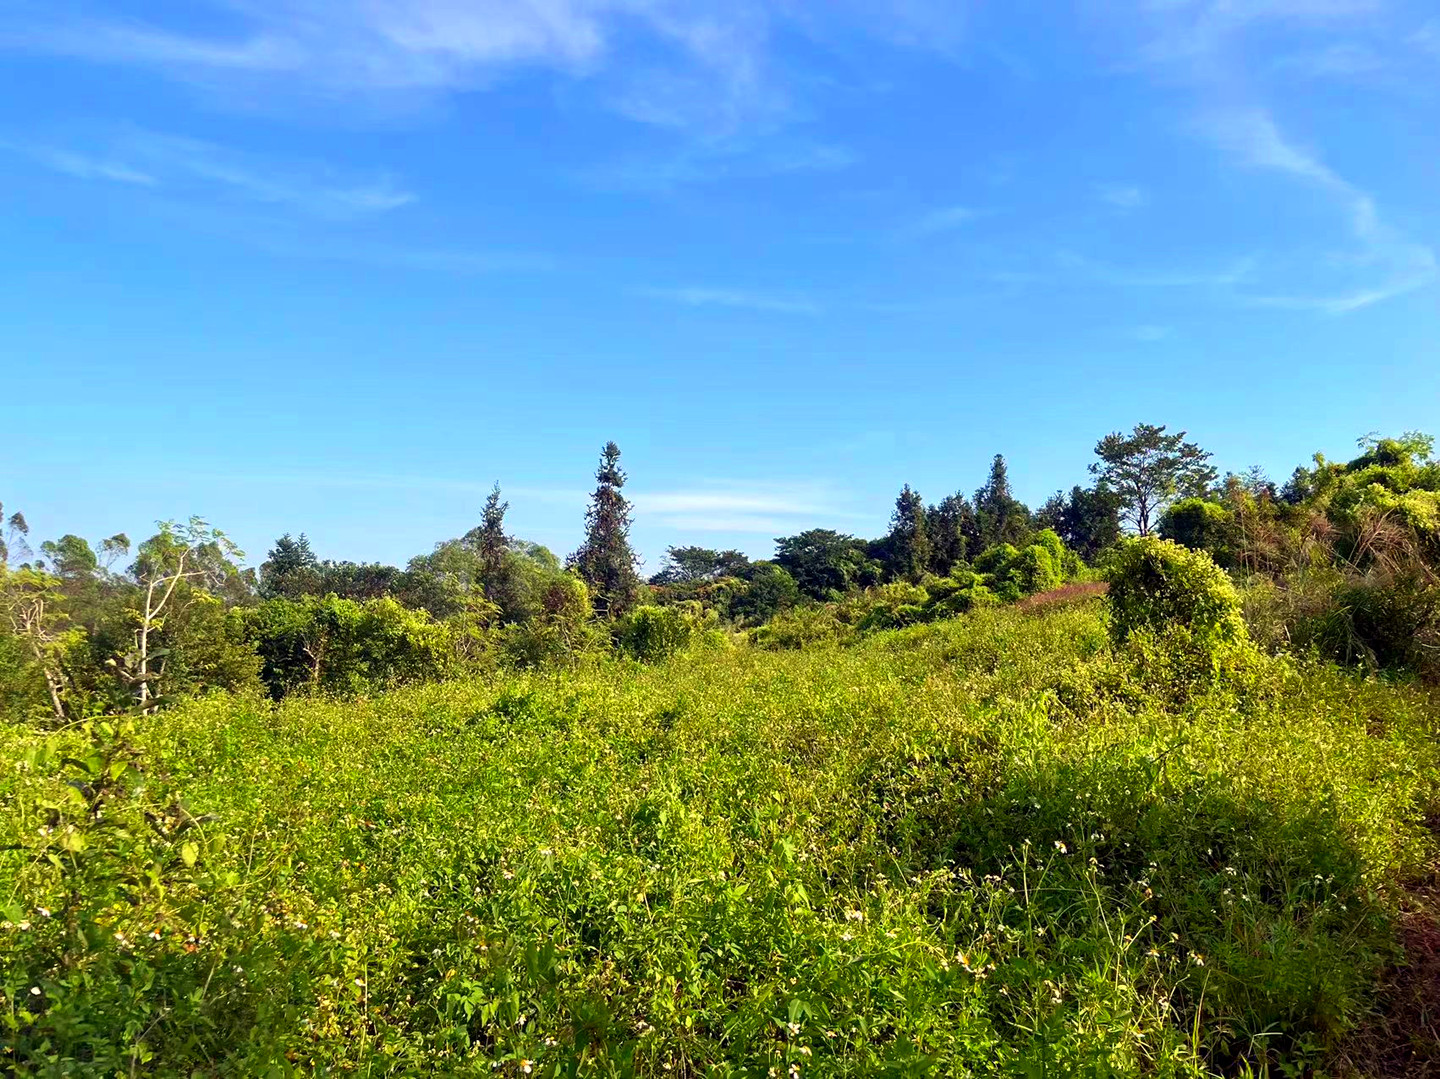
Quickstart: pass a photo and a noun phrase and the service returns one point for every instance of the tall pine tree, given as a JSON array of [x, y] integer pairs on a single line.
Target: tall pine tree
[[948, 527], [908, 544], [605, 561], [1000, 516]]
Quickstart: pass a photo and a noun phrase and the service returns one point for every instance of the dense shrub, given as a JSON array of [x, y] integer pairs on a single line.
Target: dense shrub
[[344, 646], [653, 633], [884, 860], [1157, 585], [1201, 525]]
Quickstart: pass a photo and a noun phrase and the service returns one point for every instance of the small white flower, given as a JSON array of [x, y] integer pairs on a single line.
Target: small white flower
[[44, 912], [34, 990], [1060, 846]]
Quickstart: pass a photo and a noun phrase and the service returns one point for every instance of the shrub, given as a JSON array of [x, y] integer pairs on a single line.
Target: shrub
[[651, 633], [1038, 570], [802, 626], [1200, 525], [343, 646], [1157, 585]]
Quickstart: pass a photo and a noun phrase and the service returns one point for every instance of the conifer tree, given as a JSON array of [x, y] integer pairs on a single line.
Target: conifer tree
[[909, 544], [1000, 516], [605, 561]]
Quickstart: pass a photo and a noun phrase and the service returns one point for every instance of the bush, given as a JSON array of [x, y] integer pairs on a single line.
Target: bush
[[651, 634], [1202, 526], [343, 646], [803, 626], [1157, 585]]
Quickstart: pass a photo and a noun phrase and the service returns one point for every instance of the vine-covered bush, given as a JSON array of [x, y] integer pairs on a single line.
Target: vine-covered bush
[[1159, 586]]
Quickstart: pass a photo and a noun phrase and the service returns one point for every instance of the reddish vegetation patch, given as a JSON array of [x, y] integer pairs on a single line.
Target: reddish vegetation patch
[[1070, 593], [1402, 1039]]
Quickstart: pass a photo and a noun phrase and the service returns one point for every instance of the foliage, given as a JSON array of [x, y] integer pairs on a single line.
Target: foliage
[[1148, 469], [652, 634], [1087, 519], [1201, 525], [823, 563], [949, 527], [768, 589], [334, 645], [1157, 586], [976, 848], [605, 561], [1000, 518], [908, 544]]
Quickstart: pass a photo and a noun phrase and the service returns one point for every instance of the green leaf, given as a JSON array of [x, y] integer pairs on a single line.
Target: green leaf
[[188, 853]]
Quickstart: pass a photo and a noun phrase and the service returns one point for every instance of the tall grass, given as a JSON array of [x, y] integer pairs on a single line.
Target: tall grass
[[978, 847]]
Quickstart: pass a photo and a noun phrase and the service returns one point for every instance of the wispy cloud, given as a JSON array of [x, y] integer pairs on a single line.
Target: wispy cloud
[[700, 296], [1148, 334], [718, 160], [771, 509], [1080, 267], [1122, 196], [1393, 262], [1340, 60], [944, 219], [82, 166], [186, 167]]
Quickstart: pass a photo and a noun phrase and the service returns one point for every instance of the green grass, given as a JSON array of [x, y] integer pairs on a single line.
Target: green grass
[[979, 847]]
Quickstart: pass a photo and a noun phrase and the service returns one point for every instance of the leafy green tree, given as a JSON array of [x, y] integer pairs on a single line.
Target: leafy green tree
[[823, 563], [1201, 525], [1149, 469], [696, 565], [908, 545], [193, 552], [769, 589], [605, 561], [947, 526], [999, 516]]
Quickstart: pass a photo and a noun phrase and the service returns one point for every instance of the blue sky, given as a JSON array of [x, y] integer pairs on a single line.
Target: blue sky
[[334, 266]]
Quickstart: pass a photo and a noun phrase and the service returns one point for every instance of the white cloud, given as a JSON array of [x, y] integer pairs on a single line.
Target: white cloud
[[1400, 263], [701, 65], [81, 166], [189, 167], [1122, 196], [944, 219], [699, 296]]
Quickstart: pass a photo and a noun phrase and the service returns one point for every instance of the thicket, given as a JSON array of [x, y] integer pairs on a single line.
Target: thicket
[[982, 846]]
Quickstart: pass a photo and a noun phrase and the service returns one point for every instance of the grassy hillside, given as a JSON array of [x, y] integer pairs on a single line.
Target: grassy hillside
[[980, 847]]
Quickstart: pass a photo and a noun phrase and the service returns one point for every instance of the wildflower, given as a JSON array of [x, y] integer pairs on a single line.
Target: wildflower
[[794, 1027], [546, 851], [34, 990], [154, 934], [301, 925], [1060, 846], [44, 912], [854, 916], [526, 1066], [550, 1043], [1197, 959]]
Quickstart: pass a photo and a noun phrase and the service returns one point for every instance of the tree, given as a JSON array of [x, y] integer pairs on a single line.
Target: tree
[[12, 535], [1149, 469], [1088, 519], [824, 563], [492, 540], [947, 527], [697, 565], [769, 590], [175, 554], [1000, 516], [908, 544], [605, 561], [290, 570]]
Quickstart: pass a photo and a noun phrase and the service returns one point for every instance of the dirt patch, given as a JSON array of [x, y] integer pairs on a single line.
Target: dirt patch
[[1070, 593], [1402, 1038]]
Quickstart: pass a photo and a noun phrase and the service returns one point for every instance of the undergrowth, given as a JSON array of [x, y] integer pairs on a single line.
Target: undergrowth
[[984, 847]]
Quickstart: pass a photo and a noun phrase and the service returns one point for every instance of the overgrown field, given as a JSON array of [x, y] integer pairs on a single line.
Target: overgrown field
[[989, 846]]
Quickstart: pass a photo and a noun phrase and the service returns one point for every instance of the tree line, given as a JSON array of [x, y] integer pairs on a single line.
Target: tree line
[[1341, 558]]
